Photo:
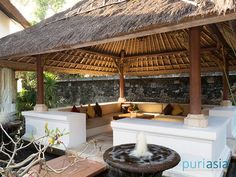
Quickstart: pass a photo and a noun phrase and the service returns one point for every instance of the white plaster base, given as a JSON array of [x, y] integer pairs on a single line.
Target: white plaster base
[[193, 144], [226, 103], [72, 123], [226, 112], [40, 108], [121, 100], [196, 120]]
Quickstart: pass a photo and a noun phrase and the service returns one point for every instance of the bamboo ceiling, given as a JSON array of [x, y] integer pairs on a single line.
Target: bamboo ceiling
[[155, 54]]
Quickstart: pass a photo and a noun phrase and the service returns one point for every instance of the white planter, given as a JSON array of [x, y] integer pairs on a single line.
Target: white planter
[[73, 123], [226, 112]]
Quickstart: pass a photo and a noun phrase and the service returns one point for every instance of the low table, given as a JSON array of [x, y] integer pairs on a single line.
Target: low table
[[133, 115]]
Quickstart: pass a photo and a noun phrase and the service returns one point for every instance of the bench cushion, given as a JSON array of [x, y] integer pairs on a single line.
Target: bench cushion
[[100, 121]]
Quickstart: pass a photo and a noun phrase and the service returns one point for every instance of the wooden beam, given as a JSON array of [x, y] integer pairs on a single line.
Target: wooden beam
[[168, 53], [214, 28], [78, 65], [162, 67], [117, 65], [233, 27], [79, 71], [12, 12], [175, 71], [20, 66], [97, 53], [195, 70], [225, 78]]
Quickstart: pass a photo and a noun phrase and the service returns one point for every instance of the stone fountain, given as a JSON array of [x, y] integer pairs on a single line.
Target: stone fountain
[[140, 159]]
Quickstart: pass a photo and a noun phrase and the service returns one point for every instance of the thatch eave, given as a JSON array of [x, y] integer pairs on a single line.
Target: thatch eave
[[155, 40], [97, 27]]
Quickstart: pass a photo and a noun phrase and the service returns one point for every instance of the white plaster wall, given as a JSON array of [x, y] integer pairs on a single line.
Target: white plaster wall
[[8, 26], [4, 25]]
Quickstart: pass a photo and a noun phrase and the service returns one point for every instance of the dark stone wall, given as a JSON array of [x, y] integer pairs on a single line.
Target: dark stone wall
[[173, 90]]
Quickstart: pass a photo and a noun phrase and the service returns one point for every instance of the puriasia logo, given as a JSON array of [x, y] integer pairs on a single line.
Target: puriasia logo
[[204, 165]]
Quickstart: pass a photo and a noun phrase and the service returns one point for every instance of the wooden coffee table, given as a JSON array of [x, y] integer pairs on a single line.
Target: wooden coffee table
[[133, 115]]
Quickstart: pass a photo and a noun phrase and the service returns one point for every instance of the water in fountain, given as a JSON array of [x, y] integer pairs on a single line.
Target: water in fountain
[[141, 150]]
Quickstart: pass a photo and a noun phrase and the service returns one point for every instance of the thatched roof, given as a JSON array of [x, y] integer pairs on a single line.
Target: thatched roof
[[12, 12], [89, 37]]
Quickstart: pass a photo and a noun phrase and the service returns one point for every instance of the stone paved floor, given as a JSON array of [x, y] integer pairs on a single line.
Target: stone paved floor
[[96, 147]]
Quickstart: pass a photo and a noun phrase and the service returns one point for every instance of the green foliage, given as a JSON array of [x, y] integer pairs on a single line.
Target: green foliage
[[50, 89], [26, 99], [43, 7]]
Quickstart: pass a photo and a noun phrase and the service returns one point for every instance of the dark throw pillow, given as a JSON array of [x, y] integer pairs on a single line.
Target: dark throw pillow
[[90, 111], [74, 109], [98, 110], [168, 109]]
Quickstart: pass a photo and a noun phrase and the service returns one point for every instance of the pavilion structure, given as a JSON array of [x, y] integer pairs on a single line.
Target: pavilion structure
[[131, 38]]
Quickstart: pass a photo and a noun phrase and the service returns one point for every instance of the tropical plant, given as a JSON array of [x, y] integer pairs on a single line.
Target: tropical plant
[[50, 89], [26, 99]]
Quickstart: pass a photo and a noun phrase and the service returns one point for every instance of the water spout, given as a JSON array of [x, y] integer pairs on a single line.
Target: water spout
[[141, 149]]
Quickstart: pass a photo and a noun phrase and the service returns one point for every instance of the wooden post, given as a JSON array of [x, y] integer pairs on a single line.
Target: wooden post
[[195, 118], [225, 82], [225, 100], [40, 106], [40, 80], [122, 85], [195, 70], [122, 78]]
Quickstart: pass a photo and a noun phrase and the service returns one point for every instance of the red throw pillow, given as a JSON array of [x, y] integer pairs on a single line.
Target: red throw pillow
[[168, 109], [74, 109]]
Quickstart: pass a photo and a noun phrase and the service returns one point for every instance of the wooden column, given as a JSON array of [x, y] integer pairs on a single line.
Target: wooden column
[[122, 77], [195, 70], [225, 81], [122, 85], [40, 80]]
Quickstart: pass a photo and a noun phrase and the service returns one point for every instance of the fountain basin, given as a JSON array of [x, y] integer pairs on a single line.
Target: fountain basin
[[121, 163]]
